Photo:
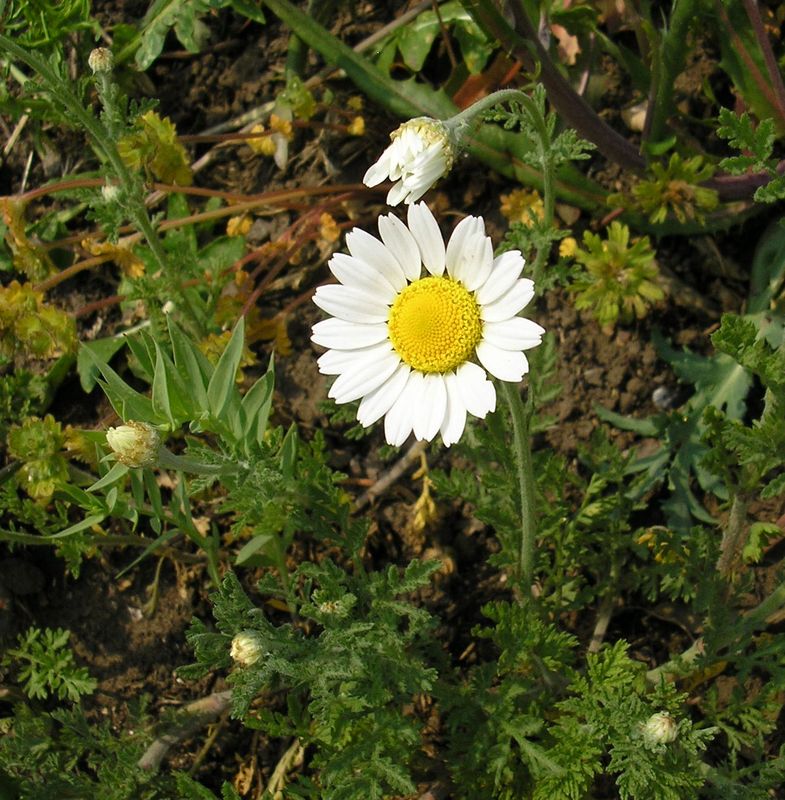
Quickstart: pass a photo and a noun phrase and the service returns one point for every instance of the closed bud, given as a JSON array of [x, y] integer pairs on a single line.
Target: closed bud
[[659, 729], [247, 648], [110, 192], [100, 60], [135, 444]]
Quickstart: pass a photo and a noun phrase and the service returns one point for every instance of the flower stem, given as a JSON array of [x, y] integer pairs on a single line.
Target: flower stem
[[521, 417], [63, 95]]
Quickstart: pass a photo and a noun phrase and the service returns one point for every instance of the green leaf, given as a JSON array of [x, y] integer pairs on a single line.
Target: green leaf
[[115, 473], [160, 397], [768, 269], [221, 390], [127, 402], [194, 369], [142, 347], [87, 522], [102, 350], [256, 406], [744, 62], [289, 453], [173, 397], [252, 547]]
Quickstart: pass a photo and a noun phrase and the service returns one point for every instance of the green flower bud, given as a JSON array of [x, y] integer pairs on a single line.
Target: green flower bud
[[136, 444], [247, 648]]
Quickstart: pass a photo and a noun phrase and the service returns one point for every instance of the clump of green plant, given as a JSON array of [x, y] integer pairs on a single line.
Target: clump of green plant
[[38, 444], [674, 188], [31, 328], [45, 667], [347, 680], [618, 281]]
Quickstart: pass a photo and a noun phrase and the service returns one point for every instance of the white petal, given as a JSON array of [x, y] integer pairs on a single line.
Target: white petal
[[506, 365], [360, 274], [517, 333], [334, 362], [481, 267], [465, 230], [509, 304], [400, 418], [433, 407], [344, 335], [397, 192], [369, 249], [426, 231], [355, 383], [378, 402], [399, 241], [455, 417], [505, 271], [350, 304], [477, 392], [379, 171]]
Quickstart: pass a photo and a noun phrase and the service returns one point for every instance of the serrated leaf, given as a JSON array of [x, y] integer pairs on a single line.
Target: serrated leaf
[[774, 488]]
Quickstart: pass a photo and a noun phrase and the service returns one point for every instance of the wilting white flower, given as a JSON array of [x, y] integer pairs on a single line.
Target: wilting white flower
[[247, 648], [659, 729], [420, 153], [408, 342], [135, 444]]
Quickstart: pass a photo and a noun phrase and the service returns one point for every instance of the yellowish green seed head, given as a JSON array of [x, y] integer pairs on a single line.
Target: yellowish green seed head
[[435, 324]]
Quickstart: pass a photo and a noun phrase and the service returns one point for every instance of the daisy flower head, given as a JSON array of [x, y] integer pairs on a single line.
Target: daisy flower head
[[416, 327], [420, 152]]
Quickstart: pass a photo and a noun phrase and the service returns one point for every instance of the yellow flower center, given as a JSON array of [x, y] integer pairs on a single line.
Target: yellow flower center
[[435, 324]]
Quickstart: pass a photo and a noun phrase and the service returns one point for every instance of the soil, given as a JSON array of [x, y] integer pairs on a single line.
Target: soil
[[133, 646]]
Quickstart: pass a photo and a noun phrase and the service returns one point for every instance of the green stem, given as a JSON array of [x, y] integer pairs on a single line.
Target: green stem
[[169, 460], [62, 94], [521, 418]]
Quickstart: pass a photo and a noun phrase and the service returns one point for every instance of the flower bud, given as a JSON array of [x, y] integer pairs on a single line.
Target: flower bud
[[100, 60], [135, 444], [659, 729], [247, 648], [421, 151], [110, 192]]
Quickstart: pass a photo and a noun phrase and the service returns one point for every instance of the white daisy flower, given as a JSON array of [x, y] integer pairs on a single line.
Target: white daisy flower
[[420, 153], [408, 342]]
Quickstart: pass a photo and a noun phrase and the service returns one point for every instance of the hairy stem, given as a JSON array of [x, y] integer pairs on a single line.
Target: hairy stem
[[523, 459]]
